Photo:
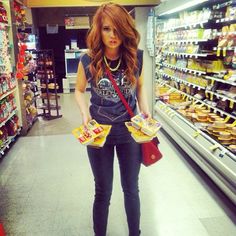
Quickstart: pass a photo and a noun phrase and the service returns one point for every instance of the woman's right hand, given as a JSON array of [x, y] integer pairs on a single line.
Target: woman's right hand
[[86, 118]]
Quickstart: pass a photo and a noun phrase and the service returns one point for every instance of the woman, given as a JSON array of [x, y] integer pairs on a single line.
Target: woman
[[113, 43]]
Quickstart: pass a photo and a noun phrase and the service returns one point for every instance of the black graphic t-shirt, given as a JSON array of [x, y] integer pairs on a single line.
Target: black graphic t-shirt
[[106, 106]]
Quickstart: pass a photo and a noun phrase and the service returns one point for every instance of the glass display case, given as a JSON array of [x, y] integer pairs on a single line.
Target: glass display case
[[72, 57]]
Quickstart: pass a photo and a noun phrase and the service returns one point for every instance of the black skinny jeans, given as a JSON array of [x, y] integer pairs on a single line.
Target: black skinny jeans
[[101, 160]]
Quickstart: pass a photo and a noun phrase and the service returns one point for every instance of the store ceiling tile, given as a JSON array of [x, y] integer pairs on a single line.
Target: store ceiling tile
[[82, 3]]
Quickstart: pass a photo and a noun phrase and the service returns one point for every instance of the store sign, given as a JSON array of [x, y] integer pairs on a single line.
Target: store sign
[[79, 22]]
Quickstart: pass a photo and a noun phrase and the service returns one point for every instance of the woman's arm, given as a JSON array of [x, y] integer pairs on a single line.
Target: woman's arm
[[80, 89], [142, 97]]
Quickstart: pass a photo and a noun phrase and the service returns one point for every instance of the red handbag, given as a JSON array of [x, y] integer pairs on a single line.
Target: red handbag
[[150, 151]]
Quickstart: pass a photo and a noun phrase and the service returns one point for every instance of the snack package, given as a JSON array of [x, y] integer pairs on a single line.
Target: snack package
[[137, 134], [148, 126], [100, 140], [87, 134]]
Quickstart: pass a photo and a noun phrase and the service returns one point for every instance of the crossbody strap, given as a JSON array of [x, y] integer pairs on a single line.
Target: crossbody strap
[[122, 98]]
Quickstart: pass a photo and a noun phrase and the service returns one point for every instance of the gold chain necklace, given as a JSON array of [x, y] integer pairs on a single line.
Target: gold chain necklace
[[112, 69]]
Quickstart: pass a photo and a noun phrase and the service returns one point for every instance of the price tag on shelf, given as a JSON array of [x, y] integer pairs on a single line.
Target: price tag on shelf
[[227, 119], [172, 115], [196, 134], [166, 109], [222, 153], [231, 104], [223, 98], [207, 94], [202, 105], [224, 51], [214, 147], [212, 82], [233, 124], [211, 96]]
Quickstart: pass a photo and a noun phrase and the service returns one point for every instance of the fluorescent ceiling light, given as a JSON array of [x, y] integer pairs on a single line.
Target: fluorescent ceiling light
[[183, 7]]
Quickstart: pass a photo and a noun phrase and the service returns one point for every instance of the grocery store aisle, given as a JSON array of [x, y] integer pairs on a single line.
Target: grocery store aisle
[[46, 188]]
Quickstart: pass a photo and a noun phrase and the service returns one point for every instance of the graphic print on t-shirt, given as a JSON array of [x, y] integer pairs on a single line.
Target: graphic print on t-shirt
[[105, 88]]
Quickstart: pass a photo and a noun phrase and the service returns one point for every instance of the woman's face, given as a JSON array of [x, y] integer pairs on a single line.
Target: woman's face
[[110, 37]]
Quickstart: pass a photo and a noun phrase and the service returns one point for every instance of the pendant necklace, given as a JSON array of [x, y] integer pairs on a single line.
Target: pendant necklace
[[112, 69]]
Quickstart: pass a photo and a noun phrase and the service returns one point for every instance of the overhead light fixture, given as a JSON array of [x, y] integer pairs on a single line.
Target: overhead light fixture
[[184, 6]]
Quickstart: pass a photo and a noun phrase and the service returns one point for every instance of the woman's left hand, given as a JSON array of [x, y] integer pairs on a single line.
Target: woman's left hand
[[147, 114]]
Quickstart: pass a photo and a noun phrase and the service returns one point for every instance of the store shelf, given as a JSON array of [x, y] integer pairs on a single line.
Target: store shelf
[[221, 96], [226, 20], [8, 93], [8, 118], [191, 25], [183, 81], [224, 48], [195, 72], [193, 41], [202, 102], [51, 107], [221, 80], [196, 55], [217, 161], [225, 33], [6, 144]]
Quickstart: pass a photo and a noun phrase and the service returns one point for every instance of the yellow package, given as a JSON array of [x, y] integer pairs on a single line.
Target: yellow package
[[148, 126], [100, 140], [138, 135], [87, 134]]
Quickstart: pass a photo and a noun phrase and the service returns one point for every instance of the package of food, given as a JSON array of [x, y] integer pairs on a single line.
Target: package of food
[[101, 139], [87, 134], [140, 137], [137, 134], [147, 125]]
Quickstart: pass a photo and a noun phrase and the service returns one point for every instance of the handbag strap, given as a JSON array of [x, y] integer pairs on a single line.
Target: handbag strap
[[122, 98]]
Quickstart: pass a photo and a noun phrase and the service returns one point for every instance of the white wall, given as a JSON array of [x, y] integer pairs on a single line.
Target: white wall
[[141, 16]]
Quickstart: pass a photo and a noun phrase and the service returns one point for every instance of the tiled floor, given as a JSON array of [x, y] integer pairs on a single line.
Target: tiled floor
[[46, 189]]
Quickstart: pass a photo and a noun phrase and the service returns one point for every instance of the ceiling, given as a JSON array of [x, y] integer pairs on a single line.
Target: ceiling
[[86, 3]]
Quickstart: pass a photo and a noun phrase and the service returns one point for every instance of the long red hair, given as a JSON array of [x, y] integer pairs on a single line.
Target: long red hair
[[126, 31]]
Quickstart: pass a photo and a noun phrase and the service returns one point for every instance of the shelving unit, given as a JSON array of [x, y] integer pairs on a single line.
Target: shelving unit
[[192, 80], [48, 85], [10, 125], [26, 83]]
